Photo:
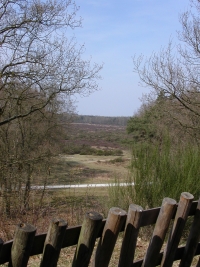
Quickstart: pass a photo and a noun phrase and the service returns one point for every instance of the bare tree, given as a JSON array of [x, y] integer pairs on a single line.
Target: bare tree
[[41, 67], [37, 56], [174, 72], [28, 146]]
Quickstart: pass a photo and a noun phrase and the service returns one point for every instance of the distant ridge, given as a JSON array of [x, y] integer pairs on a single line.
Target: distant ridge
[[104, 120]]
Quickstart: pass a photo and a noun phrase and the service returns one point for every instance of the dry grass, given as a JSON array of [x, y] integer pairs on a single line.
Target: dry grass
[[70, 205], [67, 254]]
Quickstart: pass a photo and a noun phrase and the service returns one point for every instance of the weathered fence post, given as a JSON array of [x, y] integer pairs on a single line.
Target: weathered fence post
[[53, 243], [1, 244], [22, 244], [166, 212], [179, 223], [198, 263], [89, 230], [115, 221], [130, 235], [192, 240]]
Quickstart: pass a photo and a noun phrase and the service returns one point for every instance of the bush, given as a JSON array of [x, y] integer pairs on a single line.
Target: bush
[[162, 171], [117, 160], [159, 171], [88, 150]]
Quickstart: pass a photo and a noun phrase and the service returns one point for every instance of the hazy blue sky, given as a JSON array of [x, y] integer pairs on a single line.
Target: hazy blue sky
[[113, 31]]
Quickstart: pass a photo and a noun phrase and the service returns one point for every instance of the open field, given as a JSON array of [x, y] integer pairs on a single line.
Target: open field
[[107, 136], [89, 169], [104, 155], [108, 163]]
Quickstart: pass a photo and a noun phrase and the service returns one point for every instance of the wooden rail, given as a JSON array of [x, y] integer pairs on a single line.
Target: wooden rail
[[16, 252]]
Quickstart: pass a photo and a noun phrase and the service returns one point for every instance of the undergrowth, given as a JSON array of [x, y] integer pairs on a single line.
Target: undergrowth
[[159, 171], [84, 149]]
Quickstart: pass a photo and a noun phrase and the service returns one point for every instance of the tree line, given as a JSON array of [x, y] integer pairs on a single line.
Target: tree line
[[104, 120]]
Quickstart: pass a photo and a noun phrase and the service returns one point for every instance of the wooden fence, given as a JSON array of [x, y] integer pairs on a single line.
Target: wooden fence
[[27, 243]]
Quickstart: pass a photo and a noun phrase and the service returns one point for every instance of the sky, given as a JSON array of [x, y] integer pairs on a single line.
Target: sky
[[113, 31]]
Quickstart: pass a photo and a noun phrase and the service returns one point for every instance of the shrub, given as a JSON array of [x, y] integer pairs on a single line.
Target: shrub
[[117, 160], [162, 171], [158, 171], [88, 150], [121, 196]]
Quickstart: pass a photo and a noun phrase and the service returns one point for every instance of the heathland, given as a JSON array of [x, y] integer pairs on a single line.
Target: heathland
[[91, 154]]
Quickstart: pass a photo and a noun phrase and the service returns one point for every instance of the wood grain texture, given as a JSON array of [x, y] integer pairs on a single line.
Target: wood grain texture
[[160, 230], [115, 221], [130, 235], [177, 229], [53, 243], [87, 238], [22, 245]]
